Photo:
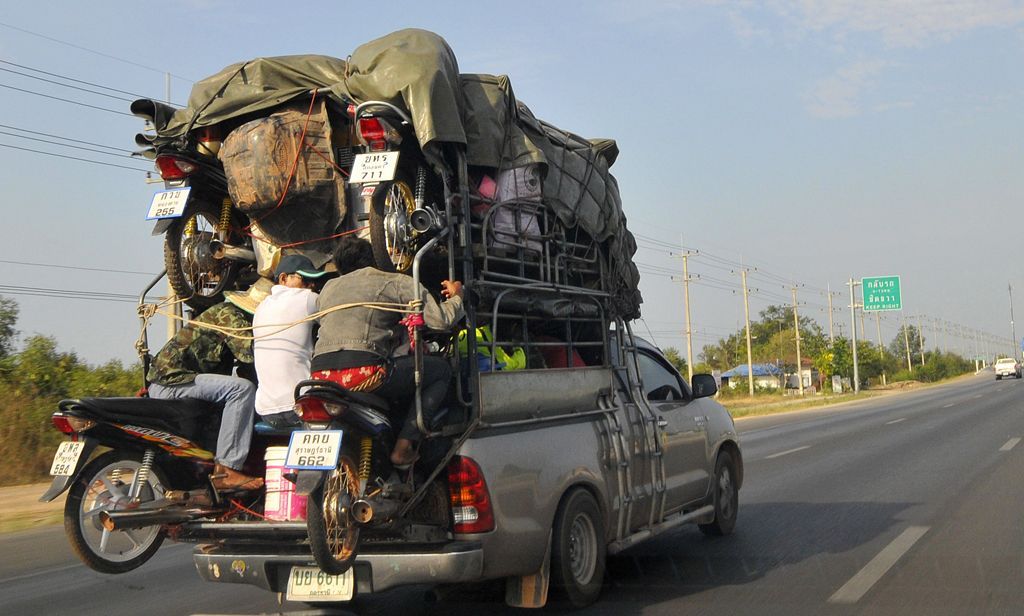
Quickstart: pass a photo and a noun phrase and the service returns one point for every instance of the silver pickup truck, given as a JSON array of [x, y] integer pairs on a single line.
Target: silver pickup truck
[[563, 466]]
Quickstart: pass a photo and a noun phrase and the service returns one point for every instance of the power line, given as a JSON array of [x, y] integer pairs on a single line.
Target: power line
[[65, 145], [66, 100], [88, 83], [84, 160], [67, 293], [35, 132], [65, 85], [74, 267], [93, 51]]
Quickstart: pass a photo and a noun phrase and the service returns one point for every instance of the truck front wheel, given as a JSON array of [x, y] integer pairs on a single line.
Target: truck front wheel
[[578, 549]]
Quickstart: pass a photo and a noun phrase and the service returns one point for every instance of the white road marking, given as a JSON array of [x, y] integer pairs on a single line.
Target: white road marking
[[975, 397], [948, 405], [861, 583], [787, 452], [1010, 444], [889, 423]]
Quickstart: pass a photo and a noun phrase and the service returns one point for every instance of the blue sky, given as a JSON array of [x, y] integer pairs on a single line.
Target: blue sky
[[813, 141]]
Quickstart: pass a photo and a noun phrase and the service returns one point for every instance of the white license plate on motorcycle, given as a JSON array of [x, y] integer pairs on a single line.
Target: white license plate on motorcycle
[[313, 450], [374, 167], [168, 203], [66, 458], [312, 584]]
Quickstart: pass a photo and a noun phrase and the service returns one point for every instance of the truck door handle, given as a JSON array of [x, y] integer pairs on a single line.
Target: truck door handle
[[662, 422]]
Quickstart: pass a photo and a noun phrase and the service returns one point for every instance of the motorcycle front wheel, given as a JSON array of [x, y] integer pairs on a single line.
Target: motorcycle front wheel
[[333, 532], [196, 276], [104, 485]]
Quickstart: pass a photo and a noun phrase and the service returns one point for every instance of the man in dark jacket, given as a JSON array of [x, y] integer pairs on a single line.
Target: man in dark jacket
[[198, 362], [360, 348]]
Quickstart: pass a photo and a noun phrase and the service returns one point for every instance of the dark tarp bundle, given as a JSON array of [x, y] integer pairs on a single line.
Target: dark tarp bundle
[[417, 71]]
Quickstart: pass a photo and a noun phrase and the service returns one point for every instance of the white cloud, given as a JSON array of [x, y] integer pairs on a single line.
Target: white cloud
[[902, 23], [838, 96]]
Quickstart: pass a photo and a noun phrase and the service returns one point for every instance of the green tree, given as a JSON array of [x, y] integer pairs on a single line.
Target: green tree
[[677, 360], [898, 346], [8, 319]]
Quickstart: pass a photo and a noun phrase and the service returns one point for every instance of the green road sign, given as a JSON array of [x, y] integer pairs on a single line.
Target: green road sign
[[881, 293]]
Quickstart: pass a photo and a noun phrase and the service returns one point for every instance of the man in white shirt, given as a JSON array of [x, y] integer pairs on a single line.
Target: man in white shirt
[[283, 346]]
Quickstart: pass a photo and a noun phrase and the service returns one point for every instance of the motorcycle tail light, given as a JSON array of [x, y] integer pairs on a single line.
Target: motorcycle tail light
[[316, 410], [377, 134], [173, 168], [470, 499], [69, 424]]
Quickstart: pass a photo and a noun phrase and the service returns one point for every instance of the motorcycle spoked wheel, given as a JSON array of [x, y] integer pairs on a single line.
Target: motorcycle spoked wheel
[[194, 274], [333, 533], [104, 486], [391, 236]]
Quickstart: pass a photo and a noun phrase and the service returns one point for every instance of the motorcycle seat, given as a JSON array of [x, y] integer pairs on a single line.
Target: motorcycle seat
[[182, 416]]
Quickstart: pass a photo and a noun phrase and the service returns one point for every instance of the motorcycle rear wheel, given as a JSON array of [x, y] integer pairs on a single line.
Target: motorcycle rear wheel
[[333, 533], [103, 486], [194, 274], [391, 235]]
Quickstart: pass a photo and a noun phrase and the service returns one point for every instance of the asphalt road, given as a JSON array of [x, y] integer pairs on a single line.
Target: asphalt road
[[909, 504]]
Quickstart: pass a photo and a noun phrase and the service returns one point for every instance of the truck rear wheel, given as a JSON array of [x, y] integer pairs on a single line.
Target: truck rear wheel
[[726, 497], [578, 550]]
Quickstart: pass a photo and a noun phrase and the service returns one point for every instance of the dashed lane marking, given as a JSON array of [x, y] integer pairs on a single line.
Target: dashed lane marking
[[895, 421], [949, 405], [787, 452], [1010, 444], [861, 583]]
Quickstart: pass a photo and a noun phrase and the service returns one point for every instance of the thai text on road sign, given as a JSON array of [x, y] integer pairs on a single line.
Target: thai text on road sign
[[881, 293]]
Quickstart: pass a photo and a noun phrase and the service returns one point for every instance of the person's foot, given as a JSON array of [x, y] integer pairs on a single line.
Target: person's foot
[[404, 454], [227, 479]]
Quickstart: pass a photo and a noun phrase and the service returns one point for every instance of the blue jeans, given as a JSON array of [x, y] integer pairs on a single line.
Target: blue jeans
[[238, 396]]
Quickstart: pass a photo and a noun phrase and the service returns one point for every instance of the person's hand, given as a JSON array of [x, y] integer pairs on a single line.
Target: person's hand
[[451, 288]]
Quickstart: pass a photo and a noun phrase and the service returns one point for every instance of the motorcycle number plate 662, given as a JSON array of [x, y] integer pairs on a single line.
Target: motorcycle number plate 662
[[374, 167], [168, 203], [66, 458], [313, 450], [311, 584]]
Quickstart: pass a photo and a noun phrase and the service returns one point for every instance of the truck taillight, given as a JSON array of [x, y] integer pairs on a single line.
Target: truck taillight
[[471, 502], [173, 168]]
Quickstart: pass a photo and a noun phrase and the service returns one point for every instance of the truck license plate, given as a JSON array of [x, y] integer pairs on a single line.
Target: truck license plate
[[374, 167], [66, 458], [313, 450], [168, 203], [312, 584]]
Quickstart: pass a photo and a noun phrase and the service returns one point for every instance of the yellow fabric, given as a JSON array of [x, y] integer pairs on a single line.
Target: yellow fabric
[[514, 361]]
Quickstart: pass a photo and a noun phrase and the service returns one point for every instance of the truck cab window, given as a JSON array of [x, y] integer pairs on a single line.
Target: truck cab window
[[660, 383]]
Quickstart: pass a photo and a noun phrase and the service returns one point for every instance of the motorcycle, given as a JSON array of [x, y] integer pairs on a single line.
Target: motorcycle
[[378, 184], [152, 482], [342, 462]]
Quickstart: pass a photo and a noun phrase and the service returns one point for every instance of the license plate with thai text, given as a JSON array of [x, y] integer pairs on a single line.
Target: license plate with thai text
[[66, 458], [312, 584], [168, 203], [313, 450], [374, 167]]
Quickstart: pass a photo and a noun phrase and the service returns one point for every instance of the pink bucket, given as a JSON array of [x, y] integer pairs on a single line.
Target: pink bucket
[[281, 503]]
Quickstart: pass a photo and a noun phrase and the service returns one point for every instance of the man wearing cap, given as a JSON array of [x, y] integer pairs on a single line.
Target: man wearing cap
[[198, 362], [284, 342]]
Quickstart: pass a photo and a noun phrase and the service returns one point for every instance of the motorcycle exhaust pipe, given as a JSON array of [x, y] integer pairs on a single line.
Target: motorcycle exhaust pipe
[[220, 250], [128, 520], [365, 512], [424, 219]]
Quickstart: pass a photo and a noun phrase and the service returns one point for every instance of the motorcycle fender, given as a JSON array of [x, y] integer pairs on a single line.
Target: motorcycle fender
[[162, 225], [63, 482], [307, 481]]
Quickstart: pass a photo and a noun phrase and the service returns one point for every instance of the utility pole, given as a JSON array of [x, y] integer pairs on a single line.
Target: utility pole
[[799, 365], [881, 351], [853, 336], [686, 303], [173, 322], [862, 334], [746, 315], [831, 335], [1013, 330], [920, 337], [906, 344]]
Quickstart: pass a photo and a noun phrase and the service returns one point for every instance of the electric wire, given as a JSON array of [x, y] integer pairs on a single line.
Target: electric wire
[[66, 100], [85, 160], [82, 81], [35, 132], [65, 145]]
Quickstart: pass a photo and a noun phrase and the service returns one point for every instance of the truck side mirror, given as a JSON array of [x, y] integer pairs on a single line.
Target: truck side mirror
[[703, 385]]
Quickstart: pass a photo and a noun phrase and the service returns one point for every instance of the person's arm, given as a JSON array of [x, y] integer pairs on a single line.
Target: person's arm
[[439, 316]]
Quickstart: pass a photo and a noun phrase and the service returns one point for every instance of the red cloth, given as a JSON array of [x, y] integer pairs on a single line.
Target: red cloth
[[360, 378]]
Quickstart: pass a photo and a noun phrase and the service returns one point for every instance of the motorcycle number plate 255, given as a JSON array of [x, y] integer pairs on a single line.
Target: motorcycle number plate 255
[[311, 584], [374, 167], [168, 203], [66, 458], [313, 450]]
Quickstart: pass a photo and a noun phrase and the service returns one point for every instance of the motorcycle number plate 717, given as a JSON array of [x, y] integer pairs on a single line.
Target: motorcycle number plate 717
[[66, 458], [313, 450], [168, 203], [374, 167], [311, 584]]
